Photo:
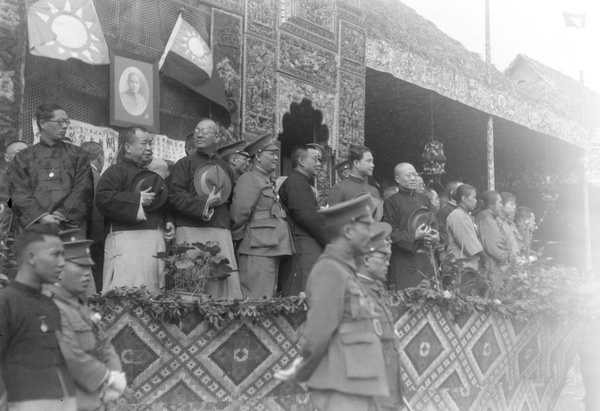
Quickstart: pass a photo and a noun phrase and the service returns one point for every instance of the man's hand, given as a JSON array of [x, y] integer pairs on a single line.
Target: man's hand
[[147, 196], [422, 231], [433, 237], [213, 197], [288, 373], [169, 231], [51, 219]]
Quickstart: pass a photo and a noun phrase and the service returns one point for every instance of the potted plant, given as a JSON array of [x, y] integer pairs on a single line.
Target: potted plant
[[190, 267]]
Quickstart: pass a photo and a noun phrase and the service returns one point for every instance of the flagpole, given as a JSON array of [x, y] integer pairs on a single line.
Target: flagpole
[[490, 123]]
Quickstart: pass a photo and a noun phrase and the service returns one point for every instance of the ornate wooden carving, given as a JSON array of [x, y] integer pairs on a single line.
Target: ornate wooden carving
[[307, 61], [352, 48], [227, 53], [261, 18], [351, 113], [260, 87]]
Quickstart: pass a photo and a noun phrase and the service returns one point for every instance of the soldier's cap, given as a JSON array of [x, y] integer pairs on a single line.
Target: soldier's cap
[[341, 166], [263, 143], [317, 147], [379, 241], [237, 147], [359, 209], [77, 251], [67, 236]]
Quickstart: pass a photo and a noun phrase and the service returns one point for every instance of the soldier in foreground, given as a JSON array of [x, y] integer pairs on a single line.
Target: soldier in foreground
[[90, 356], [341, 355], [32, 366]]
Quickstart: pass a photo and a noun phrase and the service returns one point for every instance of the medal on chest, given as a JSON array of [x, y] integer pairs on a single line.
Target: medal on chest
[[43, 326]]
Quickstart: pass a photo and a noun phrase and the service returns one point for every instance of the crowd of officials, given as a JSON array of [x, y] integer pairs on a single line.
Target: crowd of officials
[[275, 234]]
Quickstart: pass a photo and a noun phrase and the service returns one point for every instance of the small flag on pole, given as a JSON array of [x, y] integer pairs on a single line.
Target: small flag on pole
[[63, 29], [574, 20], [188, 59]]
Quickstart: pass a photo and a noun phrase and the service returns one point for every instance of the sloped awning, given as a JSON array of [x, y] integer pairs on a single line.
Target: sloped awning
[[411, 48]]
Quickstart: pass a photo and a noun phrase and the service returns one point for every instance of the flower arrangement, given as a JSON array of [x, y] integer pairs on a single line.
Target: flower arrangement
[[190, 267]]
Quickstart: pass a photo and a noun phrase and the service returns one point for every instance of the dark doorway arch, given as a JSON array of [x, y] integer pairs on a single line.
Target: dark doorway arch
[[301, 125]]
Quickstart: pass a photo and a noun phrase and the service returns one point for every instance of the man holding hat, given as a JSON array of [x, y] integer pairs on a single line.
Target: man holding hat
[[299, 198], [199, 188], [372, 273], [259, 222], [90, 357], [236, 157], [341, 356], [133, 202]]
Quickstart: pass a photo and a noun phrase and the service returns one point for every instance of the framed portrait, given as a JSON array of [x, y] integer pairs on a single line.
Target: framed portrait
[[134, 91]]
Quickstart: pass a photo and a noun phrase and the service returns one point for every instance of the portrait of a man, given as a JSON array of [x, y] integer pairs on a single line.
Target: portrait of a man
[[135, 92], [132, 96]]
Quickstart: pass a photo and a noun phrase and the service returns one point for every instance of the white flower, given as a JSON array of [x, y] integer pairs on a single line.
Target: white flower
[[95, 317], [447, 294], [497, 302]]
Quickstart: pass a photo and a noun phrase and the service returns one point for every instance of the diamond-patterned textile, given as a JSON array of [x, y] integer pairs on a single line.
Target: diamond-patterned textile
[[479, 362]]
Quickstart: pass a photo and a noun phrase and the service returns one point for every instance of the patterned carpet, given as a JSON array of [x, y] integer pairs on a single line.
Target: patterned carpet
[[479, 362]]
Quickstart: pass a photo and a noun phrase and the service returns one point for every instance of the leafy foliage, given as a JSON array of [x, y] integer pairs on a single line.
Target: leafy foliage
[[190, 267]]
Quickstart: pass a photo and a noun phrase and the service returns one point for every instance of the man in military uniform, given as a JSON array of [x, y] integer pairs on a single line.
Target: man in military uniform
[[204, 219], [307, 226], [236, 157], [342, 169], [31, 364], [88, 352], [357, 182], [341, 356], [372, 272], [51, 182], [259, 222]]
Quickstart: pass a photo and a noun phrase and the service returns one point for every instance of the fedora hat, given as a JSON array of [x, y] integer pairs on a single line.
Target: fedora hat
[[209, 176], [149, 179], [376, 205], [421, 216]]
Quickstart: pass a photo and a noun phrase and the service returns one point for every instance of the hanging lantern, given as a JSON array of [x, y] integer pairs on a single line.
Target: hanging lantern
[[433, 158]]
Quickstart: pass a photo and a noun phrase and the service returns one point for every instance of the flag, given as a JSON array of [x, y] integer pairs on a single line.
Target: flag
[[188, 59], [574, 20], [63, 29]]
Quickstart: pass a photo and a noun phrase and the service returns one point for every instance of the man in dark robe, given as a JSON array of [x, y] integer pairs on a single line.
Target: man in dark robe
[[307, 226], [357, 181], [51, 182], [411, 263], [32, 367], [204, 219], [134, 235]]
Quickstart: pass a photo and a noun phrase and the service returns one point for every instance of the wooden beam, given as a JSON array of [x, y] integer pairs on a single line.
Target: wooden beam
[[490, 154]]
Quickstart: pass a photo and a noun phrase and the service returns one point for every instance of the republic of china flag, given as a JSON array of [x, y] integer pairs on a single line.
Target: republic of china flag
[[63, 29], [188, 59]]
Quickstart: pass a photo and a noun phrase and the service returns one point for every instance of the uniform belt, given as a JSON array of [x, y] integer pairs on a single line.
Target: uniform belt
[[261, 215], [357, 326]]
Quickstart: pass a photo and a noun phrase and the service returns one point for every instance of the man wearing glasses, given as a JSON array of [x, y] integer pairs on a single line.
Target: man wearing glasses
[[51, 182], [409, 265], [204, 218]]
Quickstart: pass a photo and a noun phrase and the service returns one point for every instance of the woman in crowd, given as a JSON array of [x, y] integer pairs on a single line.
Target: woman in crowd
[[494, 244]]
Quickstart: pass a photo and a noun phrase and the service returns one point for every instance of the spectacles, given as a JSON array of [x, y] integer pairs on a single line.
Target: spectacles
[[410, 176], [61, 122], [205, 132], [383, 257]]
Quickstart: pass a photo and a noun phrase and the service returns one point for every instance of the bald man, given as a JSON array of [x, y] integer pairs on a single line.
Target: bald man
[[132, 100], [409, 264]]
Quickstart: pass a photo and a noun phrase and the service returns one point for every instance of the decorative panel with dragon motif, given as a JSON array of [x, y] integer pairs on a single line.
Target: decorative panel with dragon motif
[[227, 53], [260, 95], [313, 20], [352, 48], [351, 112], [262, 18], [306, 61]]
